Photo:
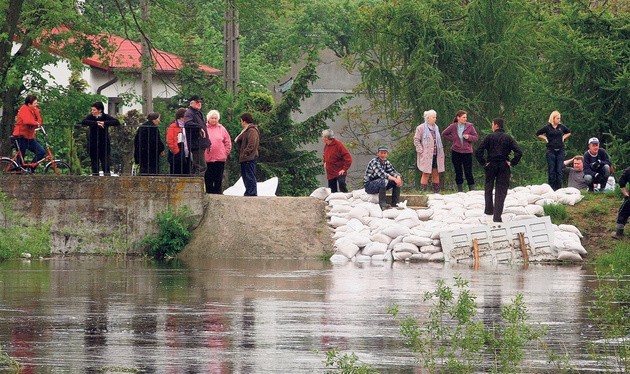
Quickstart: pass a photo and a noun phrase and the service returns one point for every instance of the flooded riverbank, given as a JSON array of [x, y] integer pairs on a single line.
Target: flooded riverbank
[[95, 314]]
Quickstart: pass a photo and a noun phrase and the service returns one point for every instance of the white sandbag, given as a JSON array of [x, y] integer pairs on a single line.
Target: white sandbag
[[339, 234], [437, 243], [396, 230], [373, 209], [376, 258], [521, 189], [569, 256], [575, 247], [571, 228], [358, 212], [371, 198], [336, 202], [420, 257], [406, 214], [391, 213], [436, 257], [340, 209], [321, 193], [534, 209], [410, 222], [435, 234], [435, 204], [541, 189], [473, 213], [570, 199], [430, 249], [523, 217], [338, 196], [566, 235], [406, 247], [569, 191], [358, 194], [346, 247], [362, 258], [374, 248], [401, 256], [424, 214], [338, 258], [532, 198], [474, 220], [558, 244], [265, 188], [356, 225], [543, 202], [419, 231], [516, 210], [380, 238], [358, 239], [337, 221], [417, 240]]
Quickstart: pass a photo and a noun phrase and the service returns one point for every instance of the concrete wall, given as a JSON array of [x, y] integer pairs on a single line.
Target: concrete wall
[[109, 214]]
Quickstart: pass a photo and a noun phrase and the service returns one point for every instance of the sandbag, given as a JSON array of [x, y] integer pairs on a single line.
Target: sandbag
[[321, 193]]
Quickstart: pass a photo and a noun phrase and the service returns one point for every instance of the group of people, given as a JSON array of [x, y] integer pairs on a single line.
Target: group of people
[[197, 144]]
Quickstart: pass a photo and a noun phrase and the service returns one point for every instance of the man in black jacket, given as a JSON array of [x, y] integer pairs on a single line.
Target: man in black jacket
[[99, 146], [499, 145], [597, 165], [195, 124]]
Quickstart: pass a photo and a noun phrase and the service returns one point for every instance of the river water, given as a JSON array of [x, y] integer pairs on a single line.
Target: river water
[[107, 314]]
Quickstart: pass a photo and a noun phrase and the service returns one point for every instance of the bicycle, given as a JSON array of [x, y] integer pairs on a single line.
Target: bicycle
[[17, 165]]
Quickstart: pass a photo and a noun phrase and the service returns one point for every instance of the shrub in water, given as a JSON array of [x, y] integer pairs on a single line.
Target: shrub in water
[[173, 233]]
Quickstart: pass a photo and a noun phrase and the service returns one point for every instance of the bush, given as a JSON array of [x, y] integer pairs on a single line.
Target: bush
[[18, 235], [173, 233]]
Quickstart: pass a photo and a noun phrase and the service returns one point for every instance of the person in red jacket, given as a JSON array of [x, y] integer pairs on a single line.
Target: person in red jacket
[[179, 154], [337, 161], [29, 119]]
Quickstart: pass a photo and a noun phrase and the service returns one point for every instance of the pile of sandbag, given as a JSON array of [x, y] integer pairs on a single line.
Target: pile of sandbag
[[364, 232]]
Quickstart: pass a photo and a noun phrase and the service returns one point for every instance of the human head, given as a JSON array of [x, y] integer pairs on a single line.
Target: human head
[[382, 152], [498, 122], [247, 118], [154, 117], [195, 102], [30, 99], [461, 115], [180, 113], [430, 116], [578, 162], [327, 136], [555, 114], [593, 145], [213, 114], [97, 108]]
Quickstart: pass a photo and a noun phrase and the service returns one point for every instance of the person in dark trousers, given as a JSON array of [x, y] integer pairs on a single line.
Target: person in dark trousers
[[597, 165], [337, 161], [624, 209], [179, 154], [463, 134], [554, 134], [148, 145], [381, 176], [248, 141], [196, 135], [28, 119], [498, 145], [99, 146]]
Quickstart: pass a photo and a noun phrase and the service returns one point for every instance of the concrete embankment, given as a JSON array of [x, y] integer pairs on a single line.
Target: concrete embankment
[[103, 215]]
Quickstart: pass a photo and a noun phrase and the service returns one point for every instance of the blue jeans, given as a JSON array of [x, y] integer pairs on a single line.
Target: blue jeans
[[248, 173], [33, 146], [555, 163]]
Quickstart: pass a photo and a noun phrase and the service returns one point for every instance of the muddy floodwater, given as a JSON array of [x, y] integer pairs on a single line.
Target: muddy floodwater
[[104, 314]]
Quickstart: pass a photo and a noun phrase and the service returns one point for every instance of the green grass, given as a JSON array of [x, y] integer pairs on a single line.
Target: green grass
[[19, 235], [557, 212]]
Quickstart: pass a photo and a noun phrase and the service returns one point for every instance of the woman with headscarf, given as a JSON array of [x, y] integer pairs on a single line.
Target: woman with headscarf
[[430, 158]]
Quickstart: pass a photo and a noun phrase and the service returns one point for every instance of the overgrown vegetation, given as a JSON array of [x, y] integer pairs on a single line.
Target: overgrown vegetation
[[346, 363], [173, 233], [12, 364], [453, 340], [19, 235], [557, 213]]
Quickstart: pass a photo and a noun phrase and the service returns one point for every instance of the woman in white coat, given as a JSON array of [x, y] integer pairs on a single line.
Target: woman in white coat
[[430, 150]]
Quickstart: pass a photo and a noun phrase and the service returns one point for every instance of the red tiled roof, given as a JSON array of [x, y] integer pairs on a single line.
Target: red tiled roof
[[126, 56]]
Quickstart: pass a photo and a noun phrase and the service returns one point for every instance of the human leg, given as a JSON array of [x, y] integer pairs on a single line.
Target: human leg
[[467, 162], [551, 167], [435, 178], [501, 189], [490, 171], [559, 165], [424, 181], [342, 183], [458, 165], [622, 218], [248, 172], [332, 184], [218, 177]]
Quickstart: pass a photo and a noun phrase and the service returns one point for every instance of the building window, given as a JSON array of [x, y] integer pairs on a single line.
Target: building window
[[114, 105]]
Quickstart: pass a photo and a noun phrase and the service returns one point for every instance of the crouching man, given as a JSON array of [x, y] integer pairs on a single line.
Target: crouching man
[[381, 176]]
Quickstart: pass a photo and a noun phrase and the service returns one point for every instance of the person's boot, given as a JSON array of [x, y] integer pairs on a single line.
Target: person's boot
[[395, 196], [460, 188], [436, 188], [424, 187], [619, 232], [471, 187], [382, 193]]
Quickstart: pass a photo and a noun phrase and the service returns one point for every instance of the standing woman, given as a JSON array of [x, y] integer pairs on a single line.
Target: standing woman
[[248, 141], [217, 153], [430, 150], [554, 134], [99, 146], [463, 135], [179, 154], [148, 145]]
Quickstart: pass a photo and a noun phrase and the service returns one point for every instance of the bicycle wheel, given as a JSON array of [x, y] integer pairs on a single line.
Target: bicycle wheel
[[8, 166], [61, 168]]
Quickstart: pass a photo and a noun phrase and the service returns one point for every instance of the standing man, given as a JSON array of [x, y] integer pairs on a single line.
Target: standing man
[[337, 161], [576, 172], [99, 146], [29, 119], [248, 141], [148, 145], [499, 145], [597, 165], [624, 209], [196, 136], [381, 176]]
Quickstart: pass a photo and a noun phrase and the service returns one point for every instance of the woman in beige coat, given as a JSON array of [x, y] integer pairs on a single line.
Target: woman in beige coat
[[430, 150]]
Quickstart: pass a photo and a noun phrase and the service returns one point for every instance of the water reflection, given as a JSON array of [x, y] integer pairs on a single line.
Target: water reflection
[[235, 316]]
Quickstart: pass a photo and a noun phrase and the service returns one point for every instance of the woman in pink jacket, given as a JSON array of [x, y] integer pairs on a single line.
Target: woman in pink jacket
[[463, 135], [430, 150], [217, 153]]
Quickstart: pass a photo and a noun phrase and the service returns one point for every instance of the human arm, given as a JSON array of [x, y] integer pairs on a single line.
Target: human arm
[[346, 157], [450, 132], [479, 153], [417, 139], [542, 134], [171, 139], [517, 154], [227, 142], [472, 135], [109, 120]]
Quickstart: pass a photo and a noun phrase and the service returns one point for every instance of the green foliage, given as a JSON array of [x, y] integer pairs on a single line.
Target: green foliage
[[615, 261], [557, 213], [346, 363], [451, 339], [173, 233], [13, 365], [18, 235]]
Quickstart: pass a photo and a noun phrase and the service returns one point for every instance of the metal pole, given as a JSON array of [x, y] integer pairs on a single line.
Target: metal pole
[[231, 60], [147, 63]]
